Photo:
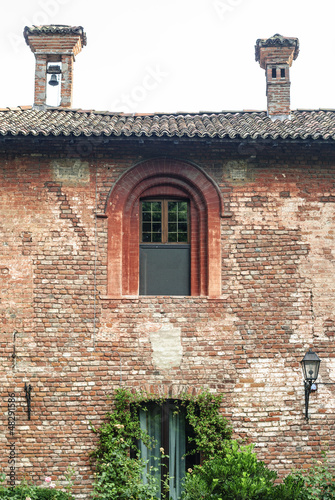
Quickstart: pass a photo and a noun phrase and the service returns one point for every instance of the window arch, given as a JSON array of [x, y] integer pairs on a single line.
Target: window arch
[[164, 178]]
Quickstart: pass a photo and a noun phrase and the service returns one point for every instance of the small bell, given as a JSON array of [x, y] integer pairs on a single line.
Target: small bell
[[53, 81]]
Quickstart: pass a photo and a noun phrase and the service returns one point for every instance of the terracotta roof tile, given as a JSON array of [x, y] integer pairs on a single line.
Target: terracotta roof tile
[[304, 124]]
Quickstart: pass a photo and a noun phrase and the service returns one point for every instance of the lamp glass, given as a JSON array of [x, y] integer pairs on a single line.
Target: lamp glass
[[310, 365]]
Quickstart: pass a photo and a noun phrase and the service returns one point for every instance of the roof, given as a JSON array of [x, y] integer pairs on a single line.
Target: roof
[[277, 41], [64, 122], [55, 29]]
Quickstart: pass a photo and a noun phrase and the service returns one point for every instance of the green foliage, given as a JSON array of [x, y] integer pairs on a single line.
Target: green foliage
[[118, 472], [211, 430], [34, 493], [236, 474], [27, 490], [291, 489], [319, 481]]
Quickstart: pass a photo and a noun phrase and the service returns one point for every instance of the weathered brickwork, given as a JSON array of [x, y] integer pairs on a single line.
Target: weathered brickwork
[[75, 344]]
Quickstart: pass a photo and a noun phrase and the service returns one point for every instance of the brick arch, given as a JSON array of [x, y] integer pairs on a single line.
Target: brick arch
[[164, 178]]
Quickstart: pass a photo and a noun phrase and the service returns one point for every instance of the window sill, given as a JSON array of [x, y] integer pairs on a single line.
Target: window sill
[[139, 297]]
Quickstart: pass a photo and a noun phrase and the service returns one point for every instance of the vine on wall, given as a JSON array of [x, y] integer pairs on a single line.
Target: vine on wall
[[119, 468]]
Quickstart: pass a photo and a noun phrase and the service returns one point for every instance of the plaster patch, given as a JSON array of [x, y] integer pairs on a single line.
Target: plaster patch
[[166, 346], [71, 171], [237, 170]]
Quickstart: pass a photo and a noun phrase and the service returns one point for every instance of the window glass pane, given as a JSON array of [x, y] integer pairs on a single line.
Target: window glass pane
[[182, 237], [177, 213], [172, 206], [146, 217], [146, 206], [172, 216], [151, 222], [155, 206], [173, 238], [146, 237], [182, 227], [182, 216], [156, 238], [146, 227]]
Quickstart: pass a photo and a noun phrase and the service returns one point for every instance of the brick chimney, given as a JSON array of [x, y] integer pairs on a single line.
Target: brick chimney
[[276, 55], [55, 47]]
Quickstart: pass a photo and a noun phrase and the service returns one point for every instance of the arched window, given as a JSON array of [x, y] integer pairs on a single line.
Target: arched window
[[164, 181]]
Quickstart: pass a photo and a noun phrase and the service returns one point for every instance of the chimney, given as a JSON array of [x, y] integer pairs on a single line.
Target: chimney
[[276, 55], [55, 47]]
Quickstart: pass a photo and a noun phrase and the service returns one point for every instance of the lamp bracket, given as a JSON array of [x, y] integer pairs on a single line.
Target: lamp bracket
[[27, 390]]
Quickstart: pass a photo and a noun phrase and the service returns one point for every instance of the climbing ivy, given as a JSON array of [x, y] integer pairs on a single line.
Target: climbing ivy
[[211, 430], [119, 468]]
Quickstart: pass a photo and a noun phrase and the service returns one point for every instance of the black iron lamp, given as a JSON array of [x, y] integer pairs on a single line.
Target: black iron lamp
[[310, 367]]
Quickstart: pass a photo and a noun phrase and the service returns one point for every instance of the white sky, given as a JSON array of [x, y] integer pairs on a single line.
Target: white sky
[[174, 55]]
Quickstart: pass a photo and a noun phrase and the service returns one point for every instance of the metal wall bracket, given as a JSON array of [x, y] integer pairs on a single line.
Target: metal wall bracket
[[308, 386], [27, 389]]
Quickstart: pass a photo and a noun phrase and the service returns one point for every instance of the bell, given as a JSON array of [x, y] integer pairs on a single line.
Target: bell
[[53, 81]]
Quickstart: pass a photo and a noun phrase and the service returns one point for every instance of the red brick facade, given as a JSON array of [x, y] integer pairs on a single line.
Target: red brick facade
[[274, 216], [73, 325]]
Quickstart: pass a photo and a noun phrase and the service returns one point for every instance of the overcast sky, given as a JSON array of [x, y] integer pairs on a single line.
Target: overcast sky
[[174, 55]]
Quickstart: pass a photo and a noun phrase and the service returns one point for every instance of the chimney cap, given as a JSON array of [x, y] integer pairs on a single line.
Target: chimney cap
[[55, 29], [277, 40]]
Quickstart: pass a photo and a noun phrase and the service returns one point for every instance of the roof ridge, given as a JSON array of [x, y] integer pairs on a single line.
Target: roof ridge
[[156, 113]]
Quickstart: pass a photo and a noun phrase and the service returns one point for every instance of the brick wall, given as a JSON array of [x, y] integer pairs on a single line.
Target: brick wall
[[277, 300]]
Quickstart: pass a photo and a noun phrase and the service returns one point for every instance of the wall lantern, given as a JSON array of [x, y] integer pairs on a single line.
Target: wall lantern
[[310, 367]]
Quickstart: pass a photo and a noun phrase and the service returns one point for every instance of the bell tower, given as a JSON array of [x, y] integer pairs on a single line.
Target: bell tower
[[55, 47], [276, 55]]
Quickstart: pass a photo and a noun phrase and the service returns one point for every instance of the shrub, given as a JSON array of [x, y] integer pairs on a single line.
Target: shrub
[[319, 481], [34, 493], [237, 475], [29, 491]]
